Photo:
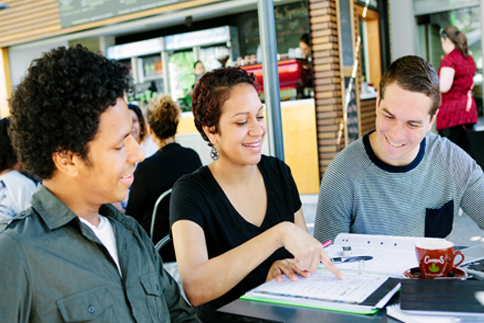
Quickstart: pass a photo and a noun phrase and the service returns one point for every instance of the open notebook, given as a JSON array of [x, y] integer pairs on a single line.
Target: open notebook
[[392, 256]]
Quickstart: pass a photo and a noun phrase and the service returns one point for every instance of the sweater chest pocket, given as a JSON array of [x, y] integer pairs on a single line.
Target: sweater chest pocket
[[153, 287], [439, 221], [91, 305]]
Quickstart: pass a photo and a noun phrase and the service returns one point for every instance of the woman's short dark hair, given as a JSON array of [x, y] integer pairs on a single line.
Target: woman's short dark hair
[[58, 104], [163, 116], [304, 38], [211, 92], [8, 156], [458, 38], [413, 74], [141, 119]]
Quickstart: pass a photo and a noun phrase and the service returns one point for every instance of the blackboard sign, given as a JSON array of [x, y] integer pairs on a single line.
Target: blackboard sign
[[77, 12], [346, 17], [291, 21]]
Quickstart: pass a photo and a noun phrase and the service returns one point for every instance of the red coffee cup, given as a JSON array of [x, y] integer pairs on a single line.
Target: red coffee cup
[[436, 257]]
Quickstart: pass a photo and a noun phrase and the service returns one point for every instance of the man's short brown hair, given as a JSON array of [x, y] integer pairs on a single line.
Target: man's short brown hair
[[413, 74]]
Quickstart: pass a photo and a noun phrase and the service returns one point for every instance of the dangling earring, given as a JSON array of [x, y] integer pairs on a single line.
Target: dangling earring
[[214, 154]]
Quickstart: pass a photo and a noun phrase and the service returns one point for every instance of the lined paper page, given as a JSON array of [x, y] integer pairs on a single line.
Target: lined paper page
[[392, 256]]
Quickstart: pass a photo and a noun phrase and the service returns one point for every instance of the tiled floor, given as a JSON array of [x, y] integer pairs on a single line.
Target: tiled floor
[[465, 233]]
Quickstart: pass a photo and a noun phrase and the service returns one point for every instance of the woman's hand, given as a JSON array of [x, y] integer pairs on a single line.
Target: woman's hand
[[286, 267], [307, 251]]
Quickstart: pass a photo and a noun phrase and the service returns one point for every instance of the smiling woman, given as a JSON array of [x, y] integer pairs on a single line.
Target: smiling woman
[[237, 221]]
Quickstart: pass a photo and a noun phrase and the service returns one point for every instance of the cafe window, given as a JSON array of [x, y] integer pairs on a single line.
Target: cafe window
[[291, 22], [370, 51], [372, 4]]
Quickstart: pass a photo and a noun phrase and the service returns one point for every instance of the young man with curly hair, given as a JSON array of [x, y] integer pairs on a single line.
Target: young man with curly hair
[[72, 256]]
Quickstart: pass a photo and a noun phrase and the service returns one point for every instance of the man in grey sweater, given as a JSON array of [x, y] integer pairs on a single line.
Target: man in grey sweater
[[401, 179]]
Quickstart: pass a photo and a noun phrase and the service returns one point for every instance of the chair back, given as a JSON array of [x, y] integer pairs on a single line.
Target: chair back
[[162, 243], [164, 195], [476, 146]]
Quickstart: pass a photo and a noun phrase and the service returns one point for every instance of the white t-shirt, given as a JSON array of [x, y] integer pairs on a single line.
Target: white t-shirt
[[15, 193], [105, 233]]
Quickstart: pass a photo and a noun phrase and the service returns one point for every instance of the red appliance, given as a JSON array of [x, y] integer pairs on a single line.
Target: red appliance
[[293, 73]]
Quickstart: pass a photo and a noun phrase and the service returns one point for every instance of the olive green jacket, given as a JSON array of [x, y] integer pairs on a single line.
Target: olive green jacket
[[54, 269]]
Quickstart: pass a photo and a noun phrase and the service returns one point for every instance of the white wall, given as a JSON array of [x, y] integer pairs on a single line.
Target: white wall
[[403, 33], [21, 57]]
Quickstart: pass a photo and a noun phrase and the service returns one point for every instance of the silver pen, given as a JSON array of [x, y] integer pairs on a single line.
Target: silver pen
[[468, 319], [338, 260]]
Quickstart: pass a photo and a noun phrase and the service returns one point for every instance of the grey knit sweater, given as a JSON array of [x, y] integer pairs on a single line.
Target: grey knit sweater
[[362, 194]]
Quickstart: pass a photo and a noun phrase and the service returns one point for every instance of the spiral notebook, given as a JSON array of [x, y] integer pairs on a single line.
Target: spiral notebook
[[392, 255]]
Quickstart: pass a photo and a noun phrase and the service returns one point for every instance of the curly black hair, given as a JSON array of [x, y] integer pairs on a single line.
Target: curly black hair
[[8, 156], [57, 105]]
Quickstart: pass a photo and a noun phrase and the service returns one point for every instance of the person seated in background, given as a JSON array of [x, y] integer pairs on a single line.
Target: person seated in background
[[305, 46], [305, 83], [158, 173], [238, 221], [139, 131], [198, 70], [401, 179], [70, 257], [15, 188]]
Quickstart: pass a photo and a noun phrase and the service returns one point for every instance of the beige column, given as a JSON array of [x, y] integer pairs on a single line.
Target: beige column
[[5, 82]]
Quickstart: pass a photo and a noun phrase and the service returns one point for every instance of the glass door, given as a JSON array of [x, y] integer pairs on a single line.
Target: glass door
[[182, 78], [149, 78], [215, 56]]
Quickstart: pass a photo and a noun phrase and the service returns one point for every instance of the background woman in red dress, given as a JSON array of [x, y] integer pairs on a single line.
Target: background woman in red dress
[[458, 109]]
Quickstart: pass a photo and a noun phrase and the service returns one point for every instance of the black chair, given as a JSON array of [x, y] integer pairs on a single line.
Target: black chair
[[476, 146], [159, 227], [162, 243], [163, 196]]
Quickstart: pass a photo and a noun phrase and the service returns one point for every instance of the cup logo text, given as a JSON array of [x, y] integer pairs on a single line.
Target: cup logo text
[[433, 268], [428, 260]]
